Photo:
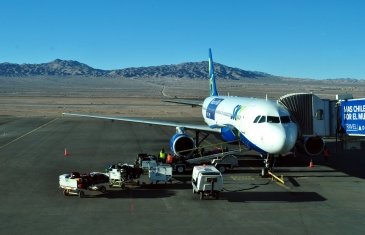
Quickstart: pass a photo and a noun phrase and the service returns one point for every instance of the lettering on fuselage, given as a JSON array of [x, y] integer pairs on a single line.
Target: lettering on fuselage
[[212, 107]]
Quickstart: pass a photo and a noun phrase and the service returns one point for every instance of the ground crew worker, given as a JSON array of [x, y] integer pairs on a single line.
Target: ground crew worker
[[163, 155], [136, 164], [169, 158]]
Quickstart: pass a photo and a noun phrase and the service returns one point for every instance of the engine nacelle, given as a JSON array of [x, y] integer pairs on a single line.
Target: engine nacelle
[[313, 145], [229, 134], [182, 144]]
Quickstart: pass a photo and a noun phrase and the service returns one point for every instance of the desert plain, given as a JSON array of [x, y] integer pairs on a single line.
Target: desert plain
[[50, 96]]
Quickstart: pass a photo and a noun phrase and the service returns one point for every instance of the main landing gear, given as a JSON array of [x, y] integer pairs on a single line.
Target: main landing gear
[[269, 162]]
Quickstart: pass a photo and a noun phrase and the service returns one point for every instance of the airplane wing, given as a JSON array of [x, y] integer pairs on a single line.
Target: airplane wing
[[151, 122], [193, 103]]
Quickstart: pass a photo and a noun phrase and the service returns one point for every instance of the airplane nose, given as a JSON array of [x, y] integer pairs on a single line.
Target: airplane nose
[[281, 139], [291, 133]]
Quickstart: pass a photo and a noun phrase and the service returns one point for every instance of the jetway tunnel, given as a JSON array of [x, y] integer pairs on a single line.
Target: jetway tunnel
[[313, 115], [325, 117]]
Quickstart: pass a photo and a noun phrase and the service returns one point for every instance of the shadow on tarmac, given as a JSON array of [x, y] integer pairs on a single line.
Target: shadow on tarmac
[[134, 193], [272, 197], [141, 191], [350, 162]]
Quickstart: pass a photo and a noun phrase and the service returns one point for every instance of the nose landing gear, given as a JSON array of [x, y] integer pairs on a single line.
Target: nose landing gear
[[269, 162]]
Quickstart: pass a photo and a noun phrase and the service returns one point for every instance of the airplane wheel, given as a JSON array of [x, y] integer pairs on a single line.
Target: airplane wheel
[[103, 189], [222, 169], [180, 169]]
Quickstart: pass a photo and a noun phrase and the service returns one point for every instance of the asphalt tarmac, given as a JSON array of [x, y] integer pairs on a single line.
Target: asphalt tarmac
[[326, 199]]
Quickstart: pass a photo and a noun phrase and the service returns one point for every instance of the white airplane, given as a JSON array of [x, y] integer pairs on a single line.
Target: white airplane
[[261, 124]]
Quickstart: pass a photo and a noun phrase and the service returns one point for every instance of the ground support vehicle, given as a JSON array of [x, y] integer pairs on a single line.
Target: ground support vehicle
[[76, 184], [222, 161], [146, 161], [160, 173], [132, 182], [228, 161], [122, 174], [116, 178], [207, 181]]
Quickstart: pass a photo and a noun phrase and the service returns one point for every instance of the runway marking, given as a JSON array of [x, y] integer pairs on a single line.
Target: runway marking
[[132, 203], [30, 132], [167, 204]]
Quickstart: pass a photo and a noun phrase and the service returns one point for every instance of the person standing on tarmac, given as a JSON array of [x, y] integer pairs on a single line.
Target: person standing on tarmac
[[162, 155], [169, 159]]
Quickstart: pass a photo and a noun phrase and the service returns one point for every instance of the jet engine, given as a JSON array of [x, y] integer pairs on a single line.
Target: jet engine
[[229, 134], [313, 145], [182, 144]]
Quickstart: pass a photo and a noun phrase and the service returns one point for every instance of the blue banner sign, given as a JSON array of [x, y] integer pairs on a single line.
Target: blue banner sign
[[353, 116]]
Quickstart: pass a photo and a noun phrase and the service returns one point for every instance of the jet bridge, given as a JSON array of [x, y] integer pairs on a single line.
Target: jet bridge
[[343, 117], [313, 115]]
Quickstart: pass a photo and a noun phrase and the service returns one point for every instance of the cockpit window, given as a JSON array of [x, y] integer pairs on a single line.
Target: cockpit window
[[262, 119], [256, 119], [273, 119], [285, 119]]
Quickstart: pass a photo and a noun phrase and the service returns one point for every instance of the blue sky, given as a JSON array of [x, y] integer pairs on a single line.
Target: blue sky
[[308, 39]]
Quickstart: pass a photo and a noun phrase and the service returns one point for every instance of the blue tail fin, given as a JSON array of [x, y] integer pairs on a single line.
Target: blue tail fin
[[213, 87]]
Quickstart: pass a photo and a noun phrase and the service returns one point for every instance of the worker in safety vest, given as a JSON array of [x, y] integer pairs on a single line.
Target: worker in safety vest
[[163, 155], [169, 159]]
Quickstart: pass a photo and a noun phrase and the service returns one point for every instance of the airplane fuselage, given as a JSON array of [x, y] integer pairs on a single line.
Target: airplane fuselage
[[261, 124]]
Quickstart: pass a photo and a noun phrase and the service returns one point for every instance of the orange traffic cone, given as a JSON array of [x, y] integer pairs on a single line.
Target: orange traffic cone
[[66, 153], [311, 164]]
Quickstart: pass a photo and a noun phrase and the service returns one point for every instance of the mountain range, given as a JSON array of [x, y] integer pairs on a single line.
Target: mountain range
[[192, 70]]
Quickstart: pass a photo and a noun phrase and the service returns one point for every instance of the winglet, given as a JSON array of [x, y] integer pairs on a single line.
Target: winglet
[[213, 87]]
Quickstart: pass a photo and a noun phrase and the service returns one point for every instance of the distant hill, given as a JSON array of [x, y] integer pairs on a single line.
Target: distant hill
[[57, 67], [192, 70]]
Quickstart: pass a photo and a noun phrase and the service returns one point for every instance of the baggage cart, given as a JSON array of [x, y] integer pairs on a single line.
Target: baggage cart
[[116, 178], [160, 173], [76, 184]]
